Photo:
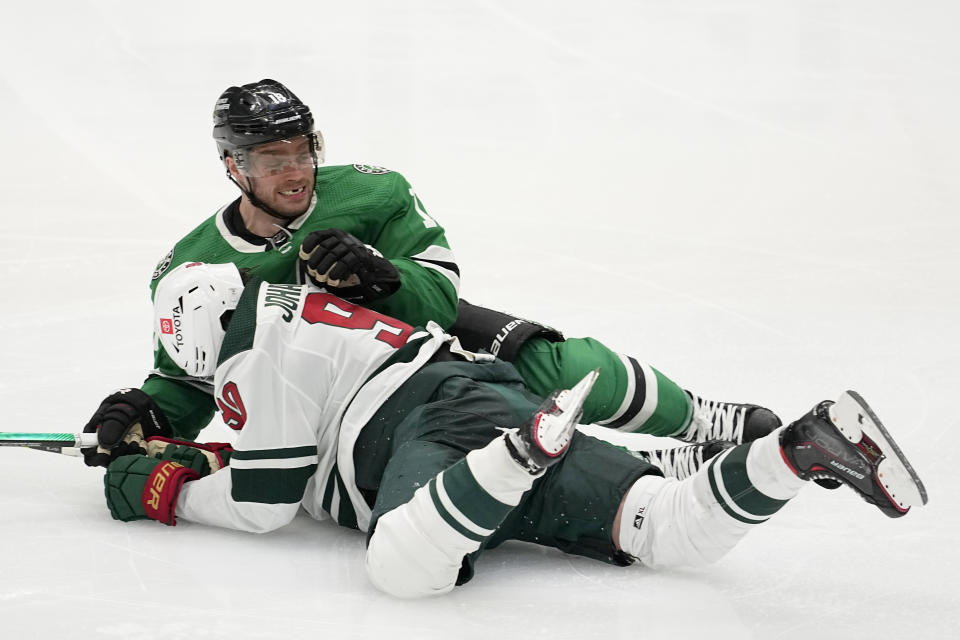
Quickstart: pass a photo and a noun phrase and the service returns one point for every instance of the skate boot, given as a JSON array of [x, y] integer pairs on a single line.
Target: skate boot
[[682, 462], [737, 423], [844, 441], [543, 439]]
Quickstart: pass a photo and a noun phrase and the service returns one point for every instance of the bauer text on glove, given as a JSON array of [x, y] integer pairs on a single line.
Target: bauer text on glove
[[122, 421]]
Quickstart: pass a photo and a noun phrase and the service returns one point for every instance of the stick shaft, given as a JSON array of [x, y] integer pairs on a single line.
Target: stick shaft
[[55, 442]]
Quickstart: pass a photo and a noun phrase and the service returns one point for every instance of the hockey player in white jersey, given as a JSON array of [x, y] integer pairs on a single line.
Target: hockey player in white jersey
[[440, 454]]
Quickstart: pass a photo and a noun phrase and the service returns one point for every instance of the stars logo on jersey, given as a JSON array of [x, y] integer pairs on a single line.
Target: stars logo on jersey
[[371, 169], [232, 411], [163, 265]]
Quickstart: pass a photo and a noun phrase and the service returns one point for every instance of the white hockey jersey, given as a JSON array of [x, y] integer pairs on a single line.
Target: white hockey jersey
[[300, 373]]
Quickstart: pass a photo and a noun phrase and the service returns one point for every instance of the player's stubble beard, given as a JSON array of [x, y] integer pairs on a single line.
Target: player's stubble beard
[[274, 211]]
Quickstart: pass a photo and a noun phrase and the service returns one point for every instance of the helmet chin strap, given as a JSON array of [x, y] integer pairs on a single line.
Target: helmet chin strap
[[260, 204]]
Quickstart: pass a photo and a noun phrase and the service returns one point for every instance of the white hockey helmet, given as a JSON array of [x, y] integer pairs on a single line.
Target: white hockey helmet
[[188, 309]]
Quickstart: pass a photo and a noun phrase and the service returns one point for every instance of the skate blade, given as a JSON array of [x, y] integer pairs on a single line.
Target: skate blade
[[854, 418], [577, 395]]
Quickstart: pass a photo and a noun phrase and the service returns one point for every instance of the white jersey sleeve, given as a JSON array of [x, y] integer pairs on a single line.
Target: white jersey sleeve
[[275, 453]]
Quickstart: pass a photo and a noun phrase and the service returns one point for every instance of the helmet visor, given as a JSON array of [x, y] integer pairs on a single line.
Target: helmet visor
[[299, 153]]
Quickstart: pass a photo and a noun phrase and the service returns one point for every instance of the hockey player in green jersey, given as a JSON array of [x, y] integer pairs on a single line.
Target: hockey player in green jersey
[[362, 233], [441, 454]]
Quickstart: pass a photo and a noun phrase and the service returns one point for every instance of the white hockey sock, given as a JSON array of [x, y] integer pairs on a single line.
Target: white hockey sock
[[417, 549], [767, 470], [666, 522]]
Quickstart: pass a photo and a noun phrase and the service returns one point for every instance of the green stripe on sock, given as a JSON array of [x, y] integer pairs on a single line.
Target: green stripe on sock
[[448, 517], [733, 471], [472, 499], [721, 500], [673, 412]]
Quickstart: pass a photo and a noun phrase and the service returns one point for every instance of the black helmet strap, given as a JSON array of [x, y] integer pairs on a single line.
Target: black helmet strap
[[260, 204]]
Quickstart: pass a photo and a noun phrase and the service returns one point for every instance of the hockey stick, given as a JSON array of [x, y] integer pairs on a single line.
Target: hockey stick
[[65, 443]]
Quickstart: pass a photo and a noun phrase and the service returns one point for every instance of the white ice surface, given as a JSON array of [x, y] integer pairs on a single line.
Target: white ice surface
[[757, 197]]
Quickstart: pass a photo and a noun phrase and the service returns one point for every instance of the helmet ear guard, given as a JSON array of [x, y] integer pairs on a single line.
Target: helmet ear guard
[[188, 306]]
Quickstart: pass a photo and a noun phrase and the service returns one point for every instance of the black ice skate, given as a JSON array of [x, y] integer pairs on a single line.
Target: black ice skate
[[683, 462], [543, 439], [731, 421], [845, 441]]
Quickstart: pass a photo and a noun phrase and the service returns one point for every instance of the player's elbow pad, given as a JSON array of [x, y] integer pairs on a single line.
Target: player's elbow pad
[[263, 518]]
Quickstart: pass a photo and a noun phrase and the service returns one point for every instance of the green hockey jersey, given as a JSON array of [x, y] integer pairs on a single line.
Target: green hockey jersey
[[377, 206]]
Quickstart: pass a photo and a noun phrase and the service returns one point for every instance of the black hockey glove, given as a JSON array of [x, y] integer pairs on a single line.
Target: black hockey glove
[[122, 422], [344, 266]]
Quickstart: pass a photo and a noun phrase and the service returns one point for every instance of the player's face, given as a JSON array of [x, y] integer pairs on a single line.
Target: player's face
[[281, 174]]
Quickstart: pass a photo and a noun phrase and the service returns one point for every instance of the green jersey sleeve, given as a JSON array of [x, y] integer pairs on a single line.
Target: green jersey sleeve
[[376, 205], [417, 246], [187, 407]]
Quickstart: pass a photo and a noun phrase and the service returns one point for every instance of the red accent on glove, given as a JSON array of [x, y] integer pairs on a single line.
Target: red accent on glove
[[163, 488], [213, 447], [216, 448]]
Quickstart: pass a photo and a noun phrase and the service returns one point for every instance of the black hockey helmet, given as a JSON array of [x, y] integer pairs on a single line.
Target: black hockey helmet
[[258, 113]]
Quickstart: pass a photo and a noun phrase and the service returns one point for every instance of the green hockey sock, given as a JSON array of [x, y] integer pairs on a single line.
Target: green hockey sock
[[629, 395]]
